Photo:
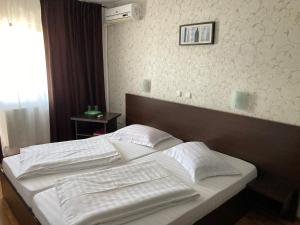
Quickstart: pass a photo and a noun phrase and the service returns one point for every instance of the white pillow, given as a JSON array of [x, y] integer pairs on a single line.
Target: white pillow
[[140, 134], [200, 162]]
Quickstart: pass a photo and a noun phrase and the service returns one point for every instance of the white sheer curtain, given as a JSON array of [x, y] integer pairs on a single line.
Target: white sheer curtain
[[24, 118]]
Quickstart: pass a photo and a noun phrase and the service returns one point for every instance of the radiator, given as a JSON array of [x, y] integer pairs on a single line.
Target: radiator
[[23, 127]]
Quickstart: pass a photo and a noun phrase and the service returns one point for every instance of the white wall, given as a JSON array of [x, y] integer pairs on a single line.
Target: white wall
[[257, 50]]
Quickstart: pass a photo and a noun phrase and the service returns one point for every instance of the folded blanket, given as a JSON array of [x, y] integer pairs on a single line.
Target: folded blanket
[[120, 194], [69, 155]]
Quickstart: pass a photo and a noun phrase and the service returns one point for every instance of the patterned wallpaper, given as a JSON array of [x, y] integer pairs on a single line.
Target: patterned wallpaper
[[257, 50]]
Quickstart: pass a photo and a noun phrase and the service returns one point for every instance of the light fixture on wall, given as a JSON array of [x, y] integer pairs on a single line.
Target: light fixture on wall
[[146, 86], [240, 100]]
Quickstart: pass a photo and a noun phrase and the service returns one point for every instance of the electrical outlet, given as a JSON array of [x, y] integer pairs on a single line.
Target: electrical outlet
[[188, 95], [179, 94]]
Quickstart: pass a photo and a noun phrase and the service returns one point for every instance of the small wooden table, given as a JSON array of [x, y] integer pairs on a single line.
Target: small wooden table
[[274, 195], [89, 126]]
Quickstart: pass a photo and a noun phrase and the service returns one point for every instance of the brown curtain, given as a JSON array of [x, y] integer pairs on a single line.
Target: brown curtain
[[74, 54]]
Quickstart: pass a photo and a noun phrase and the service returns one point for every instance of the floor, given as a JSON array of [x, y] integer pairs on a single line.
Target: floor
[[259, 218], [252, 218]]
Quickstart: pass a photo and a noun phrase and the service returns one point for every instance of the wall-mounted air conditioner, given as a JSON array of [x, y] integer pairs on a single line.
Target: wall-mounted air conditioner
[[122, 13]]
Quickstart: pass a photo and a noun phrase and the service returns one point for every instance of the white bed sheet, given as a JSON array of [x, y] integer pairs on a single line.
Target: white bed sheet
[[28, 187], [213, 193]]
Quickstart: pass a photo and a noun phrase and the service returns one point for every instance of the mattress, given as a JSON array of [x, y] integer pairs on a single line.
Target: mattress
[[213, 192], [28, 187]]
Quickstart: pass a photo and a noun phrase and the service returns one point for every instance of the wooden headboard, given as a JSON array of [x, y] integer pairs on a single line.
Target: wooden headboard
[[273, 147]]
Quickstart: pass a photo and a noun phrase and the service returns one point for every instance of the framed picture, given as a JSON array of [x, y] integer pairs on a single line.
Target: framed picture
[[197, 34]]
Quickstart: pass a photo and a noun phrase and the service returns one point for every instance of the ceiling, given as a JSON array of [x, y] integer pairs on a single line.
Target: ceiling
[[100, 1]]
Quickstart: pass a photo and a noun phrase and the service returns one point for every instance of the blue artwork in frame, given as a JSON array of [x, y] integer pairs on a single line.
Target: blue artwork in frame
[[197, 34]]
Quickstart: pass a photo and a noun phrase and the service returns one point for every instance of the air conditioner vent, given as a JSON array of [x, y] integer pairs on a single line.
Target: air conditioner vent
[[122, 13]]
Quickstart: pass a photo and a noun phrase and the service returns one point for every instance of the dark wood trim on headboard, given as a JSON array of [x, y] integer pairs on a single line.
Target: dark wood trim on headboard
[[273, 147]]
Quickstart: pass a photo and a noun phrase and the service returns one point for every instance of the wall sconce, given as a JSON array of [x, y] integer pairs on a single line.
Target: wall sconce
[[240, 100], [146, 85]]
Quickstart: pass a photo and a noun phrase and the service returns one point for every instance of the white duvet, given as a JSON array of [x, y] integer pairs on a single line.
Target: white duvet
[[119, 194], [69, 155]]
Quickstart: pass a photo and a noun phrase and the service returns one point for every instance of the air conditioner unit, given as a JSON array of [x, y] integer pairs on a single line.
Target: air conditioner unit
[[122, 13]]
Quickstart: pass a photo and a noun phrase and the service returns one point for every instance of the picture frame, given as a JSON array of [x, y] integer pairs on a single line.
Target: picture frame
[[197, 34]]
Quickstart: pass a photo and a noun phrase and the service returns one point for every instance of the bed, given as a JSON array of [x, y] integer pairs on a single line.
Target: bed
[[28, 187], [252, 140], [213, 193]]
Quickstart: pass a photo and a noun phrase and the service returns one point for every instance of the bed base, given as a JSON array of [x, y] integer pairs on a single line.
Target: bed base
[[16, 203], [227, 214]]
